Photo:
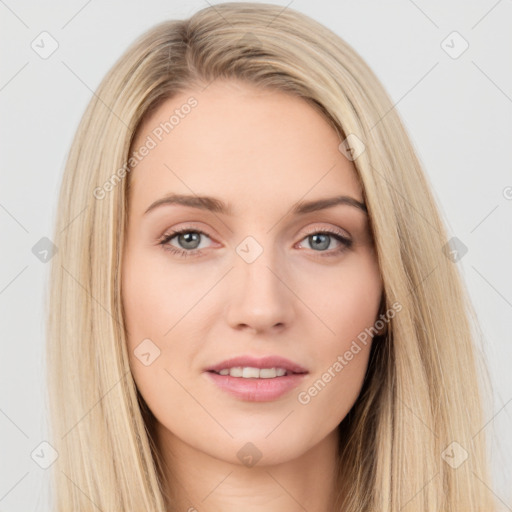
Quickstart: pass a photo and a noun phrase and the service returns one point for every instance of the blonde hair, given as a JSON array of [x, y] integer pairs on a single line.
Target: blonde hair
[[423, 386]]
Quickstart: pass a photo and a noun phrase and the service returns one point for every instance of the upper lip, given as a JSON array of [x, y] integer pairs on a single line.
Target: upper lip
[[258, 362]]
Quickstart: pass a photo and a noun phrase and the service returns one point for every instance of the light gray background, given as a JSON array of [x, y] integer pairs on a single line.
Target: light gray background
[[458, 112]]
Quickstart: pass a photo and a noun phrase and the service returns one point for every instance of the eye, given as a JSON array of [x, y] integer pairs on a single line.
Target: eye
[[188, 238], [320, 239]]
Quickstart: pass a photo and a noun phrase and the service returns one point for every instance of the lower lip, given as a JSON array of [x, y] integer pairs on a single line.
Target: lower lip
[[257, 390]]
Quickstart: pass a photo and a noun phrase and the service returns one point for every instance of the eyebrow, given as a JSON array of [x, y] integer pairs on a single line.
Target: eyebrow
[[218, 206]]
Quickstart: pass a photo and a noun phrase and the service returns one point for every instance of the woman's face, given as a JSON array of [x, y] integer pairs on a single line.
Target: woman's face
[[250, 276]]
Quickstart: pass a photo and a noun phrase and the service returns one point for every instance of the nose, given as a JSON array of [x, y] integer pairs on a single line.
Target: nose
[[259, 295]]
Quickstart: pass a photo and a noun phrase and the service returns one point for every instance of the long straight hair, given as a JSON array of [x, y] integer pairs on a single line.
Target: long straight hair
[[421, 404]]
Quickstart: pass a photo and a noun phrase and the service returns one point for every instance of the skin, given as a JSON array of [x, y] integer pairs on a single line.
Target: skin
[[261, 152]]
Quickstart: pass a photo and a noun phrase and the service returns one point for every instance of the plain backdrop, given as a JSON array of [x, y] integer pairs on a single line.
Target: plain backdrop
[[456, 103]]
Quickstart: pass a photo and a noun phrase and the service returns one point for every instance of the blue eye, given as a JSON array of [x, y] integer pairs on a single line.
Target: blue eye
[[190, 239], [322, 239]]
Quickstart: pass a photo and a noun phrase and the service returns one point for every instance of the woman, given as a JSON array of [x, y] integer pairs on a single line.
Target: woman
[[252, 307]]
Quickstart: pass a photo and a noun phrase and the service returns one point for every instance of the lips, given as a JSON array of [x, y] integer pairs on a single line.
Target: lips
[[257, 389], [263, 362]]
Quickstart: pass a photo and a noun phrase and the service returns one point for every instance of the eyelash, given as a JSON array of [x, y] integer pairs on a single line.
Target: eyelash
[[346, 243]]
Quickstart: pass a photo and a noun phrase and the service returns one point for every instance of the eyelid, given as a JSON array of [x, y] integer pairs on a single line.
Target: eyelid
[[330, 229]]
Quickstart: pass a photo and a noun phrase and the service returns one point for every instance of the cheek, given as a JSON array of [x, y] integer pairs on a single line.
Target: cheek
[[155, 303], [348, 305], [346, 300], [152, 306], [154, 299]]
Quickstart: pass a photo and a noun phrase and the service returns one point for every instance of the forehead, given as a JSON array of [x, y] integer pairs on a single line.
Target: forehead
[[241, 143]]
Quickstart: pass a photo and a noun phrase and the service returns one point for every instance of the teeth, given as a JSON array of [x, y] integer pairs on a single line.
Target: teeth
[[248, 372], [236, 372]]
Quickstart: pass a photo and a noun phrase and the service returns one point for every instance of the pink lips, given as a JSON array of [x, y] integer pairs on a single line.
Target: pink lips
[[255, 389]]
